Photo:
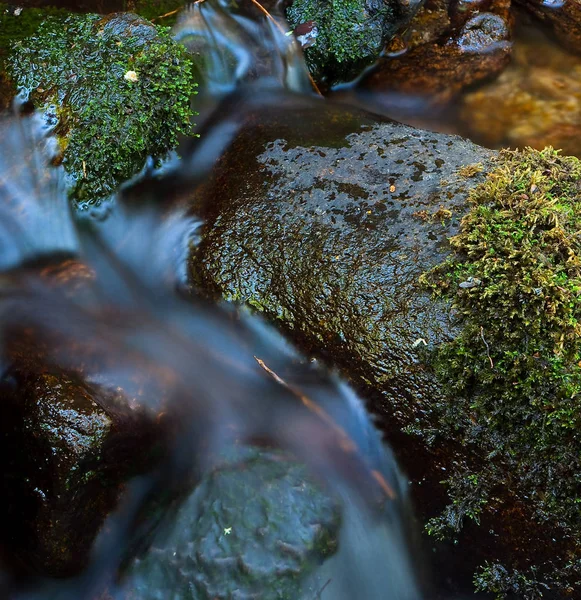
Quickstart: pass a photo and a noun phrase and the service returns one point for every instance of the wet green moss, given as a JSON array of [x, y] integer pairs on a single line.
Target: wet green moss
[[512, 376], [348, 36], [118, 89], [16, 24]]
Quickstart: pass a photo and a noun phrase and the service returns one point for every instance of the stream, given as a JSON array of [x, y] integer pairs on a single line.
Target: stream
[[227, 437]]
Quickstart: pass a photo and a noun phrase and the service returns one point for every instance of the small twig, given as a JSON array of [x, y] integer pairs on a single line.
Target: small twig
[[487, 347], [345, 442], [169, 14], [319, 594]]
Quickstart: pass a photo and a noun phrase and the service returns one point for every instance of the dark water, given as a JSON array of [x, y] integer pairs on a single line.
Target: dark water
[[217, 374]]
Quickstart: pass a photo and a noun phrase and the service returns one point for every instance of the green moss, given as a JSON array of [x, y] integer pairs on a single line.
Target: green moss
[[17, 24], [348, 36], [119, 87], [513, 374]]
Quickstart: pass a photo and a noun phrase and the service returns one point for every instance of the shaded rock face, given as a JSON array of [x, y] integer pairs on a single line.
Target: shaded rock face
[[65, 459], [340, 37], [330, 240], [563, 16], [449, 46], [254, 528]]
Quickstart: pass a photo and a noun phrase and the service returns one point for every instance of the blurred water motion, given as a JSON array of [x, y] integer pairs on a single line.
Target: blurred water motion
[[212, 376]]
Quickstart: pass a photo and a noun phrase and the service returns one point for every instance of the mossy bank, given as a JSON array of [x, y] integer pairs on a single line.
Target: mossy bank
[[116, 89]]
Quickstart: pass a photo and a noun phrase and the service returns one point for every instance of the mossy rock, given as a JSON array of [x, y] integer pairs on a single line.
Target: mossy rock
[[347, 35], [116, 89], [332, 237]]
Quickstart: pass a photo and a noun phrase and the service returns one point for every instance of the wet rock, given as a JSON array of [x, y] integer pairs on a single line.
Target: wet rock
[[563, 16], [448, 47], [330, 239], [256, 526], [535, 102], [65, 460], [343, 37]]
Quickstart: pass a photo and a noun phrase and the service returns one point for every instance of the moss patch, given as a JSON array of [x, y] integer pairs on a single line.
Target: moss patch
[[118, 88], [513, 374]]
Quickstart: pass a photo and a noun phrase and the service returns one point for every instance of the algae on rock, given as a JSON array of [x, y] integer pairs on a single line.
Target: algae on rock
[[512, 375], [350, 34], [117, 90]]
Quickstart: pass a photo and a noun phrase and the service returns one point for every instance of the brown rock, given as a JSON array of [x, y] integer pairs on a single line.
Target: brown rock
[[66, 457], [450, 47], [563, 16]]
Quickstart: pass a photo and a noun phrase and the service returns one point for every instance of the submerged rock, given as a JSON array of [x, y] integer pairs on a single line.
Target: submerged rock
[[256, 526], [342, 37], [65, 460]]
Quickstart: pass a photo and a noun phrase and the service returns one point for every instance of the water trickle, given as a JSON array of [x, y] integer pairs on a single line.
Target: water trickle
[[207, 376]]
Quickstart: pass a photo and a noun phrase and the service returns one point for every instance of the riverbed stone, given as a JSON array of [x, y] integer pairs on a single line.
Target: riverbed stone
[[255, 527], [68, 447]]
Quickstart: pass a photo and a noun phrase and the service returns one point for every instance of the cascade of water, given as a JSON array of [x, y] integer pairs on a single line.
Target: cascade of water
[[217, 374]]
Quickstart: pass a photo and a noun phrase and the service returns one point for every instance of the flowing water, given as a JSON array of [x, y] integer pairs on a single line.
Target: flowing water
[[216, 374], [102, 292]]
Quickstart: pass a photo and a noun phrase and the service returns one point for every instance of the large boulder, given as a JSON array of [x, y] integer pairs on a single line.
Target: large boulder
[[331, 234]]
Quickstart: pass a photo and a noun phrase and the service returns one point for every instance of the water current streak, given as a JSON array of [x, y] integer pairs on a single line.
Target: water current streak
[[106, 301]]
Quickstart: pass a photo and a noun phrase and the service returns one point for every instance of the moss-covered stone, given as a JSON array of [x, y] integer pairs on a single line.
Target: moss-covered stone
[[512, 375], [349, 35], [116, 88]]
